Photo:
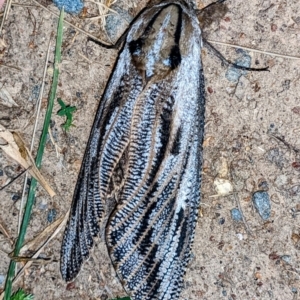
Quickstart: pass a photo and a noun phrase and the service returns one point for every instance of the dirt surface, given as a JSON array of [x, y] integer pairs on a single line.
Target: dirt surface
[[251, 140]]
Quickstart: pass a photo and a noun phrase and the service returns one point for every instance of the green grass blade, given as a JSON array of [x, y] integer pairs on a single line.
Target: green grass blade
[[38, 161], [21, 295]]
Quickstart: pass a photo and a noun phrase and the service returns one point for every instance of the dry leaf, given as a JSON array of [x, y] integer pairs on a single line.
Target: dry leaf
[[13, 145]]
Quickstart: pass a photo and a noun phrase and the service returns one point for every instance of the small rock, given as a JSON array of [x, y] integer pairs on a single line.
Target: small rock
[[286, 258], [2, 279], [70, 6], [275, 156], [233, 74], [240, 236], [262, 204], [223, 187], [263, 185], [15, 197], [294, 290], [51, 215], [221, 221], [117, 22], [221, 166], [258, 276], [210, 90], [9, 171], [236, 215]]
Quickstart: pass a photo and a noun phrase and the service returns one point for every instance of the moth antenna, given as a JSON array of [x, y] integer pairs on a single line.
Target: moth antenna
[[228, 62]]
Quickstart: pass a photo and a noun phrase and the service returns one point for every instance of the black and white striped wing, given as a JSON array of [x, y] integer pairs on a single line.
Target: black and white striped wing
[[108, 140], [144, 158]]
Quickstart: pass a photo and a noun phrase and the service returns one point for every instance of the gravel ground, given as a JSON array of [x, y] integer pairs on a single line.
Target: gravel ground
[[251, 145]]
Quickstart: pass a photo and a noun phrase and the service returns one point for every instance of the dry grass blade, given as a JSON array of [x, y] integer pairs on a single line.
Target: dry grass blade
[[15, 147], [38, 240], [5, 231], [43, 238], [6, 12]]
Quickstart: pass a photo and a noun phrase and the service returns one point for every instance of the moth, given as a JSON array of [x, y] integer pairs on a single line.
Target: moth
[[139, 184]]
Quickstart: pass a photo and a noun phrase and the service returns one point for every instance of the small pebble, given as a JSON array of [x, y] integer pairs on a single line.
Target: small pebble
[[2, 279], [1, 172], [43, 205], [117, 22], [236, 215], [262, 204], [221, 221], [9, 171], [240, 236], [70, 6], [286, 258], [263, 185], [15, 197], [294, 290], [51, 215], [35, 93], [233, 74]]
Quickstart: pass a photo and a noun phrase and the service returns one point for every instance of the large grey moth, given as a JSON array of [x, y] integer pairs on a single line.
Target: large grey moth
[[139, 184]]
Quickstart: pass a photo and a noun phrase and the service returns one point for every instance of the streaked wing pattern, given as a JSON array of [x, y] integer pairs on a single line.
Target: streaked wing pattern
[[141, 174]]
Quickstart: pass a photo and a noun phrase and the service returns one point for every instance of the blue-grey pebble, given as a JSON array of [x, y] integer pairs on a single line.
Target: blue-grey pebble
[[233, 74], [2, 279], [287, 259], [70, 6], [262, 204], [51, 215], [236, 215], [115, 23]]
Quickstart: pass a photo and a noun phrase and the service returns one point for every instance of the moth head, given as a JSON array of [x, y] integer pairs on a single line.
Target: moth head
[[156, 51]]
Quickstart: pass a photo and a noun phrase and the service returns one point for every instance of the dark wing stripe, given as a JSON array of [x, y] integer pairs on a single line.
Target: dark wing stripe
[[88, 206], [165, 231]]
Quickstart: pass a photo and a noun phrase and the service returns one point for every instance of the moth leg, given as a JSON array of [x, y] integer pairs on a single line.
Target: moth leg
[[198, 11], [227, 62], [116, 45]]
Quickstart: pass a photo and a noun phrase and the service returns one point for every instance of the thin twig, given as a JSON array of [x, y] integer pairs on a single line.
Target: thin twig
[[253, 50], [11, 67], [3, 187]]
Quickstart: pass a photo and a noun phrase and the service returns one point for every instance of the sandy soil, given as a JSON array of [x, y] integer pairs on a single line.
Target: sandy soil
[[251, 139]]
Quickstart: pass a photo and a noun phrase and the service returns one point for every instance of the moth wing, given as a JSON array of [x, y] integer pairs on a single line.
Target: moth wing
[[108, 140], [150, 233]]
